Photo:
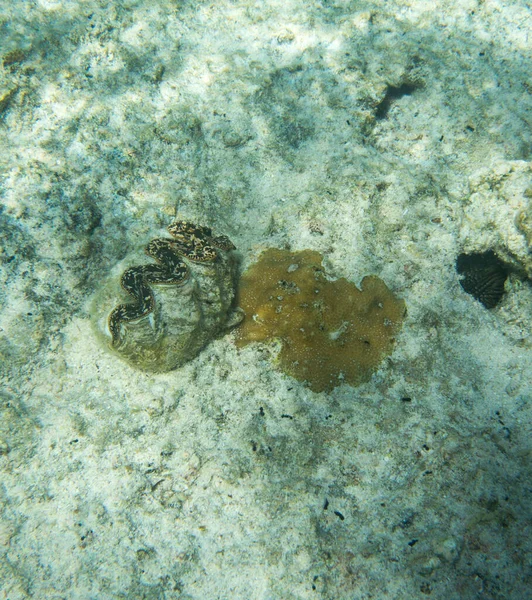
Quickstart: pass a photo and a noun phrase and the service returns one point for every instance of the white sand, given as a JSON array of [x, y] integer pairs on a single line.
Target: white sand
[[269, 122]]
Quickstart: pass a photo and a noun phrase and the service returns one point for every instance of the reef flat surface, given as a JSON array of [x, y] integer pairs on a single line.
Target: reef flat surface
[[391, 137]]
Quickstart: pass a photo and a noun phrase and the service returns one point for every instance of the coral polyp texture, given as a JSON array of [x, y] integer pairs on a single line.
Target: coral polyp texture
[[167, 311], [331, 331]]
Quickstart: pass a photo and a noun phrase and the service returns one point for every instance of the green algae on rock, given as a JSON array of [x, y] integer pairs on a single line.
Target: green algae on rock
[[331, 331], [173, 307]]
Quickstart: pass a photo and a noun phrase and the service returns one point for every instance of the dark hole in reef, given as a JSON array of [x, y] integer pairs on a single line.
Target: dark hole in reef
[[483, 275], [393, 93]]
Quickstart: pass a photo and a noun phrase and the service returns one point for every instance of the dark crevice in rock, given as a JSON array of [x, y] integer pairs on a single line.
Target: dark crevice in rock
[[393, 93]]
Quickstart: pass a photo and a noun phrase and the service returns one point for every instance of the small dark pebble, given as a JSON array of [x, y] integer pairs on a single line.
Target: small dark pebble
[[407, 521]]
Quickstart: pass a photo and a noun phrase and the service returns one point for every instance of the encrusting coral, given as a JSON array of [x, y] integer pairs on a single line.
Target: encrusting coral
[[331, 331]]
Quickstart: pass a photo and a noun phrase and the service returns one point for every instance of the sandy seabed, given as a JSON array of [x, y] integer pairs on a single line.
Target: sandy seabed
[[390, 137]]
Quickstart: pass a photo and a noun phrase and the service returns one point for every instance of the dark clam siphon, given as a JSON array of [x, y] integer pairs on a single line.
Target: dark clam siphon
[[483, 276]]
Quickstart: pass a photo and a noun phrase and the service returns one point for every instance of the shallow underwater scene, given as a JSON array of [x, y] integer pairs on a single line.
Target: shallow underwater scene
[[266, 299]]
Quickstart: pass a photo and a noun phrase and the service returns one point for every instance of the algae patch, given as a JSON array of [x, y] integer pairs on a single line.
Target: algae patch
[[331, 331]]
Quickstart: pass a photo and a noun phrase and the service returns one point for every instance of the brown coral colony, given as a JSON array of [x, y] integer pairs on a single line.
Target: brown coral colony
[[331, 331]]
